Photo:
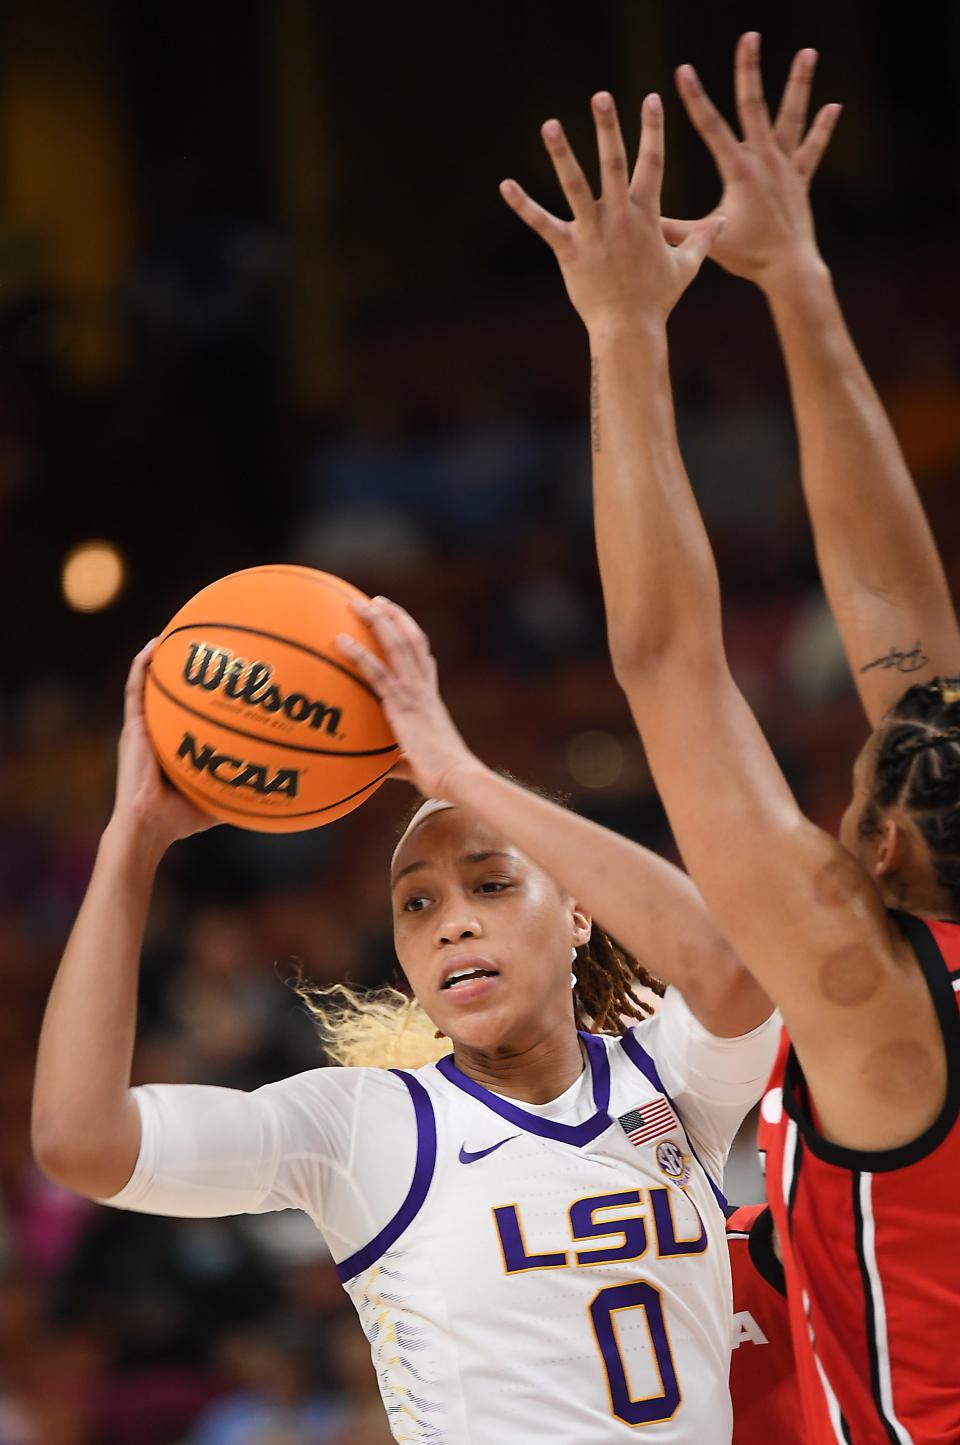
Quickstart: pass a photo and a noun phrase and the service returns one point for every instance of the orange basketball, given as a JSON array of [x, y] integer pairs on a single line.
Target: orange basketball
[[253, 711]]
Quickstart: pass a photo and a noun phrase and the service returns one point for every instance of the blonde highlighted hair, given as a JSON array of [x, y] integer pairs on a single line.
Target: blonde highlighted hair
[[377, 1028]]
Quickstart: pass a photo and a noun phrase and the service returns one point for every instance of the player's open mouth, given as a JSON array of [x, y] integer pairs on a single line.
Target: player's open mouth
[[468, 975]]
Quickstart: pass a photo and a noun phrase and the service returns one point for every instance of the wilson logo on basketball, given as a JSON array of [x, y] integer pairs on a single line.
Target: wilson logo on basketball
[[251, 683], [236, 772]]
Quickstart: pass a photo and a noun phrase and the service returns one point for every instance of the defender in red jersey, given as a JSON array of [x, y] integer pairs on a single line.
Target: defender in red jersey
[[852, 939], [763, 1373], [869, 1244]]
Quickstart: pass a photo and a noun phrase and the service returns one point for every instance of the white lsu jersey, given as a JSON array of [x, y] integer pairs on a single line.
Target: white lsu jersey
[[523, 1273]]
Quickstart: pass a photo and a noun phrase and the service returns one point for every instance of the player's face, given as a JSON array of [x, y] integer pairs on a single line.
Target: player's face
[[483, 936]]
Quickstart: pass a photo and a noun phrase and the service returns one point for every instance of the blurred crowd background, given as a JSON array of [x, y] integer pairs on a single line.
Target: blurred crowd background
[[260, 300]]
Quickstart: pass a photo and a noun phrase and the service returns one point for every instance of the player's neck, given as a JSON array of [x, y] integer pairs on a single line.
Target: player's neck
[[920, 894], [534, 1074]]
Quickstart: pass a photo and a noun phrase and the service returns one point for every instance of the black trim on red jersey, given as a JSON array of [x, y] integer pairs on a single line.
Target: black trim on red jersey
[[870, 1313], [763, 1254], [741, 1216], [791, 1198], [882, 1161]]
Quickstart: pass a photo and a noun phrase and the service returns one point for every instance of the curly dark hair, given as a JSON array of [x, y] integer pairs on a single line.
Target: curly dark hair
[[604, 997], [918, 767]]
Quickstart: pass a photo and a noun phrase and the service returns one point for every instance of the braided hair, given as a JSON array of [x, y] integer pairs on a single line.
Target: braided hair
[[918, 768], [607, 976]]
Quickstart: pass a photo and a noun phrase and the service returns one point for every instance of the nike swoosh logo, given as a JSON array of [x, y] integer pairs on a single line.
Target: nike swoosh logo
[[468, 1156]]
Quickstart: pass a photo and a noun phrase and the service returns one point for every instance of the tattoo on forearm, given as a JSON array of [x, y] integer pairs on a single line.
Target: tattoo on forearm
[[594, 404], [910, 661]]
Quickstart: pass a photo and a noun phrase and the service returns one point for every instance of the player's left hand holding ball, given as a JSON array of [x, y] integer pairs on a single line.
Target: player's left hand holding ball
[[145, 802], [406, 684]]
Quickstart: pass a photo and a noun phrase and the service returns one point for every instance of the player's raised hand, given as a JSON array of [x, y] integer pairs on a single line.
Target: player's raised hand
[[406, 684], [616, 264], [158, 813], [766, 175]]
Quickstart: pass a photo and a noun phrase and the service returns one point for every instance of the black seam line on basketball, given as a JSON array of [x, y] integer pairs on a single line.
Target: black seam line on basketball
[[287, 642], [870, 1317], [196, 794], [270, 742]]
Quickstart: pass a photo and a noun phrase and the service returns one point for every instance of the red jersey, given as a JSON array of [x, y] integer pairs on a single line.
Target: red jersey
[[871, 1247], [763, 1376]]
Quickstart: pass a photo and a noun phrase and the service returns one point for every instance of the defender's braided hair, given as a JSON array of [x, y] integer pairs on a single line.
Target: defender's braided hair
[[918, 767]]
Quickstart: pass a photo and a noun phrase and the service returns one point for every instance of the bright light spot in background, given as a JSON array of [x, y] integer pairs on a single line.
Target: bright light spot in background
[[595, 759], [92, 576]]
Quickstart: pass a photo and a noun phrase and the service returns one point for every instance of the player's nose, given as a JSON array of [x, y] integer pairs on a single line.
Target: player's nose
[[454, 929]]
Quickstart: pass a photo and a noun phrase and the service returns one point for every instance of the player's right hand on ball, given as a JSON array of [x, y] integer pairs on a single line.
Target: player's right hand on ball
[[405, 681], [144, 799]]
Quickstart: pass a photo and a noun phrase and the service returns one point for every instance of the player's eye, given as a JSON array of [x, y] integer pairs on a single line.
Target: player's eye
[[416, 904], [492, 885]]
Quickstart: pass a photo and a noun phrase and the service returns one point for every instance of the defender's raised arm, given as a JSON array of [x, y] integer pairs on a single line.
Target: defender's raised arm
[[801, 913], [878, 560]]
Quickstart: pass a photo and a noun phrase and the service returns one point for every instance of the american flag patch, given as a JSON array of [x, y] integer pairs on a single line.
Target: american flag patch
[[654, 1119]]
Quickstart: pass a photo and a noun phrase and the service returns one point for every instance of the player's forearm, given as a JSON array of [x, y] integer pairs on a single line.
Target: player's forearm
[[651, 907], [85, 1126], [659, 579], [869, 526]]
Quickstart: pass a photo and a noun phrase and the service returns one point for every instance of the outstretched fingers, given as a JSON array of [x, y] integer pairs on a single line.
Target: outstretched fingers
[[748, 84], [647, 179], [809, 155], [791, 118], [674, 231], [696, 246], [548, 227], [707, 121], [573, 182], [610, 147]]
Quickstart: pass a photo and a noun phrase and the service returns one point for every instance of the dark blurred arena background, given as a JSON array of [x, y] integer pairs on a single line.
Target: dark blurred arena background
[[260, 299]]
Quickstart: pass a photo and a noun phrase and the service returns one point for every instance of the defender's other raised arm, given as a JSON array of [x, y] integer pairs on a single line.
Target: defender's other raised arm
[[878, 559]]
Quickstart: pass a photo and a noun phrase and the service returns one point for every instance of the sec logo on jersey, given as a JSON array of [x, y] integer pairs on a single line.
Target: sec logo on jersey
[[673, 1162]]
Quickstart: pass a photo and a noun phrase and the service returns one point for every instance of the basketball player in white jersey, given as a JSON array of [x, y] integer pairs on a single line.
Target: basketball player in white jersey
[[529, 1227]]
